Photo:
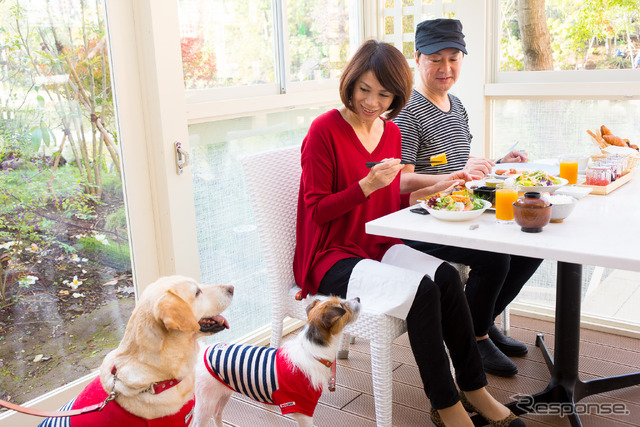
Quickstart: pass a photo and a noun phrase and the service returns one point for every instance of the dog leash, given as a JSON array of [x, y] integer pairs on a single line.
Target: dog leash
[[57, 414], [156, 388]]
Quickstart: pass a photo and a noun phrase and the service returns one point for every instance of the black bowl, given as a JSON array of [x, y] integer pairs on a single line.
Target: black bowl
[[485, 193]]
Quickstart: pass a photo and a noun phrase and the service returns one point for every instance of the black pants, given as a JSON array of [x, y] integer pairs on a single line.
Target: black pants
[[439, 314], [494, 279]]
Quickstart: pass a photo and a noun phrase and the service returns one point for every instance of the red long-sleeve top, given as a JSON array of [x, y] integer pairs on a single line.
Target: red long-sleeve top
[[332, 209]]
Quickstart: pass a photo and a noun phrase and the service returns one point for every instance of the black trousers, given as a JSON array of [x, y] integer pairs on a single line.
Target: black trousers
[[494, 279], [439, 314]]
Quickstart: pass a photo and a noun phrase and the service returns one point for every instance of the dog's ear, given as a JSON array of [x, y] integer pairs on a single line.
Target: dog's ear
[[331, 316], [175, 313], [313, 304]]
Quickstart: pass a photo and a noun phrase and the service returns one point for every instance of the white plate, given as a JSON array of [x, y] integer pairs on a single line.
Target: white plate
[[550, 169], [539, 189], [573, 191], [456, 216]]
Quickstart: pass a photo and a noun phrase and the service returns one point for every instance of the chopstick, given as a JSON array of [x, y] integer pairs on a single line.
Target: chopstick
[[440, 159], [406, 162]]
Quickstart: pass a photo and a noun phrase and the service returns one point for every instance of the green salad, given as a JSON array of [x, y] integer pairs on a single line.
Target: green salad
[[454, 202], [536, 179]]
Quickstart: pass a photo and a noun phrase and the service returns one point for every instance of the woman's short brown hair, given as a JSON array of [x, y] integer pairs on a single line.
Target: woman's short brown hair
[[390, 68]]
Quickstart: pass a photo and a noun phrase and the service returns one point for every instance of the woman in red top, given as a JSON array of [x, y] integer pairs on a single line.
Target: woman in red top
[[334, 255]]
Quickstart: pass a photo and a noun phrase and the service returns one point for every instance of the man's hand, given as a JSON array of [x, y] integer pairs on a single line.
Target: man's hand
[[515, 156], [478, 167]]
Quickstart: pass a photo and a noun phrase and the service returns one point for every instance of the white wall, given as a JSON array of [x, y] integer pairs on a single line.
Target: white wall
[[470, 85]]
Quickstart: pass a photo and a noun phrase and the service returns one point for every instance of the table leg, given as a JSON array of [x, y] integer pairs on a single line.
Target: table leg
[[565, 388]]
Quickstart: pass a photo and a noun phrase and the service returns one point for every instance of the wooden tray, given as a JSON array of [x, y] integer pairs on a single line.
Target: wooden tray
[[604, 190]]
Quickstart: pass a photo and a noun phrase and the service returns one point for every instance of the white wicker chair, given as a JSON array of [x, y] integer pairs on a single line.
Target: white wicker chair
[[273, 180]]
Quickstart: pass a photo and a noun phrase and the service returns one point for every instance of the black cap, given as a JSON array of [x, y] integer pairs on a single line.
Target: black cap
[[438, 34]]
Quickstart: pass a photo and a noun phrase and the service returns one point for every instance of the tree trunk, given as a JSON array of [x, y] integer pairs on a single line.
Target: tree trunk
[[536, 42]]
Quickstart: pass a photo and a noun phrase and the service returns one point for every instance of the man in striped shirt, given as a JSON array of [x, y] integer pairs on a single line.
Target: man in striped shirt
[[435, 122]]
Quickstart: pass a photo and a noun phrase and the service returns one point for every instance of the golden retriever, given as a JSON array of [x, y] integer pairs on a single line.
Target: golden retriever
[[150, 374]]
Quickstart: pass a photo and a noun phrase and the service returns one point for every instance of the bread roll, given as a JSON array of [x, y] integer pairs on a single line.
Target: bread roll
[[614, 140], [605, 131]]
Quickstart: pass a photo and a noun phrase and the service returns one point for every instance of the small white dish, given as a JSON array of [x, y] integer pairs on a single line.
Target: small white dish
[[573, 191], [475, 184], [456, 215]]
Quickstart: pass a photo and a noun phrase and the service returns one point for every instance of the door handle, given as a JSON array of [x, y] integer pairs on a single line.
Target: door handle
[[182, 158]]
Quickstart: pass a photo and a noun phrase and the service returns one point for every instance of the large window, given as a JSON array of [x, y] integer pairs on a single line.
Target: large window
[[569, 35], [228, 241], [579, 72], [266, 44], [244, 63], [227, 43], [66, 285]]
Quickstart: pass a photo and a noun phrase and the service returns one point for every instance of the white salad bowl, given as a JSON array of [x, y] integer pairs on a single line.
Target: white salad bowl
[[445, 215], [511, 183]]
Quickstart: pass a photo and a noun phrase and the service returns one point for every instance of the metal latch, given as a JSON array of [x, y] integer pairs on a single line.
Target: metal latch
[[182, 158]]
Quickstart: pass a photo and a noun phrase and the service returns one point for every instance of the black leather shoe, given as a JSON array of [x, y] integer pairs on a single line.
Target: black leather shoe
[[507, 345], [494, 361]]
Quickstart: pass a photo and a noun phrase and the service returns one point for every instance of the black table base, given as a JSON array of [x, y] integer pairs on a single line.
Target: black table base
[[565, 389]]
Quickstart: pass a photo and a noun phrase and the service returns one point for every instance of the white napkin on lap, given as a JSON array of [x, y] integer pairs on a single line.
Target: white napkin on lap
[[390, 286]]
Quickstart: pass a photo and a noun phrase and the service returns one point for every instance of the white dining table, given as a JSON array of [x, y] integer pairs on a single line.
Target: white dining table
[[602, 230]]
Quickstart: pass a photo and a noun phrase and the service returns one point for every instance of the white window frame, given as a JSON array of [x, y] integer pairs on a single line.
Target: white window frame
[[205, 105]]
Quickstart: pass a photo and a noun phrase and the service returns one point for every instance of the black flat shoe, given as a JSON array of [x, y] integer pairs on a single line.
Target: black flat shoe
[[510, 420], [494, 361], [507, 345]]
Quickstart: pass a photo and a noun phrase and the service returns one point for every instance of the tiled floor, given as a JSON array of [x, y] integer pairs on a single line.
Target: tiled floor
[[601, 354]]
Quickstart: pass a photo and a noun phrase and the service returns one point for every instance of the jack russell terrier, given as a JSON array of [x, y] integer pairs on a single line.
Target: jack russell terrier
[[291, 377]]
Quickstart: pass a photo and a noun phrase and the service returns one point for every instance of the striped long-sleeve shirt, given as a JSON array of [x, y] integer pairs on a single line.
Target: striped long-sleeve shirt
[[263, 373], [428, 131]]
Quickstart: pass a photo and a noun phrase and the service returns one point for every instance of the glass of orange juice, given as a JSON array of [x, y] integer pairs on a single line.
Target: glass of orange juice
[[569, 168], [505, 197]]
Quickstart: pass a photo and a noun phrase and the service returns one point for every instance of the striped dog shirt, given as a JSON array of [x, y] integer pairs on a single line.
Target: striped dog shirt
[[264, 374]]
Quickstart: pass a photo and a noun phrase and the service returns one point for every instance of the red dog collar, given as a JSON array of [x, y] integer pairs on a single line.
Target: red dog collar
[[157, 387]]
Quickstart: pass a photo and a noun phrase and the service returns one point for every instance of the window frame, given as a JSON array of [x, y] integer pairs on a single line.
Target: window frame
[[223, 103]]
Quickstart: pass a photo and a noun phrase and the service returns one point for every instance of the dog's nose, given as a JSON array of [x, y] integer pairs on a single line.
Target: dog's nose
[[230, 289], [357, 299]]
